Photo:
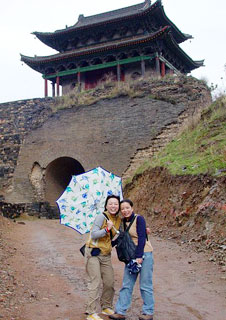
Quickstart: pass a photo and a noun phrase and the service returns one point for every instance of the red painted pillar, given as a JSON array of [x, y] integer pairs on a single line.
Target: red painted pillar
[[85, 83], [163, 69], [122, 76], [46, 88], [118, 72], [58, 86]]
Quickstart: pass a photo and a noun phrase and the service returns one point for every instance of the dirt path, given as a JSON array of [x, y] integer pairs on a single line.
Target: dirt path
[[47, 276]]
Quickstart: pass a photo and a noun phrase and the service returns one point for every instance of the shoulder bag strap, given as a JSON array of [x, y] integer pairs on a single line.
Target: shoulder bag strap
[[124, 223], [105, 215], [127, 229], [111, 235]]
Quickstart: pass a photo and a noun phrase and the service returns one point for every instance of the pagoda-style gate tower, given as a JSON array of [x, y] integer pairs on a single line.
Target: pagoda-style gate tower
[[129, 42]]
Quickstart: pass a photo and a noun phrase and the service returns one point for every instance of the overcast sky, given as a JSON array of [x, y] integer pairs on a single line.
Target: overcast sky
[[203, 19]]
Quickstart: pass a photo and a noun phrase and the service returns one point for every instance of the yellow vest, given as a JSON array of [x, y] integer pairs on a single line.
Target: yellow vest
[[104, 243], [133, 233]]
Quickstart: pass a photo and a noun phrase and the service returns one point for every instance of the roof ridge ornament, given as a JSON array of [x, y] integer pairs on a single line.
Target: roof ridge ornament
[[81, 17], [147, 3]]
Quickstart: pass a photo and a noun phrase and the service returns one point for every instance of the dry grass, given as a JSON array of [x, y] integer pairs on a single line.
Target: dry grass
[[200, 148], [110, 89]]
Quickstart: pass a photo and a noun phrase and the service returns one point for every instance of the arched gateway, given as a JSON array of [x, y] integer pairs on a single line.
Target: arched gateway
[[58, 175]]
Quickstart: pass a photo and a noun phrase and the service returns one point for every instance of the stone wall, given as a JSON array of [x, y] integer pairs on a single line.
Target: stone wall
[[36, 144], [191, 93], [17, 119], [38, 209]]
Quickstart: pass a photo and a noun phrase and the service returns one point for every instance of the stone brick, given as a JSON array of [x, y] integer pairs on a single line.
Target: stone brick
[[116, 134]]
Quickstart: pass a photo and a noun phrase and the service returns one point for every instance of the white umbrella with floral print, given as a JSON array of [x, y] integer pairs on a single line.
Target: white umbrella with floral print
[[85, 197]]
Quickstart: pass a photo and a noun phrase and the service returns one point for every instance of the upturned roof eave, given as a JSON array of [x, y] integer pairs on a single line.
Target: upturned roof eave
[[192, 63], [100, 47], [35, 62], [45, 40], [48, 37], [181, 37], [199, 63]]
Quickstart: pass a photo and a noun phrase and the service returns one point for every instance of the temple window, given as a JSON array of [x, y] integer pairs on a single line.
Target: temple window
[[122, 56], [49, 71], [61, 68], [83, 63], [110, 58], [72, 66], [134, 53], [96, 61], [90, 41], [116, 35]]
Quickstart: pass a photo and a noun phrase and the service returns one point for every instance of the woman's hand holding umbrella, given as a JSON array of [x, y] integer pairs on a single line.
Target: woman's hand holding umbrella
[[110, 224]]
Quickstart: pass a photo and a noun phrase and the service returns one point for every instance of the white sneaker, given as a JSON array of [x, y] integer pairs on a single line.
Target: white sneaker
[[93, 316], [108, 311]]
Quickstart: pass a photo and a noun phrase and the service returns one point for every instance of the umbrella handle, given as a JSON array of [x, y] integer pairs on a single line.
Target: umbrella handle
[[113, 227], [115, 230]]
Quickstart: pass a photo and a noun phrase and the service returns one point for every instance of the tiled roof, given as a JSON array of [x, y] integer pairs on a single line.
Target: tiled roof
[[35, 62], [54, 39], [106, 16], [86, 22], [96, 48]]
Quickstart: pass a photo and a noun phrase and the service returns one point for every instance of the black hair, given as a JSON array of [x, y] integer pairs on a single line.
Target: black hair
[[112, 196], [130, 202]]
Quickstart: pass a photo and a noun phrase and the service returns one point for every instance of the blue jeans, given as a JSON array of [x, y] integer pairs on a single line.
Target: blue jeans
[[146, 287]]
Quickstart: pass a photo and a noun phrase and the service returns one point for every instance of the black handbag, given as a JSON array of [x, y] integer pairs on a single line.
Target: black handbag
[[94, 251], [82, 250], [125, 247]]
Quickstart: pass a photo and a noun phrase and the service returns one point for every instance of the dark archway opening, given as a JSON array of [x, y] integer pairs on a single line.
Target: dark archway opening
[[58, 175]]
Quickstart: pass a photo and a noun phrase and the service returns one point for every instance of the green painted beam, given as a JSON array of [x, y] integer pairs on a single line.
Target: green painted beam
[[99, 66], [168, 64]]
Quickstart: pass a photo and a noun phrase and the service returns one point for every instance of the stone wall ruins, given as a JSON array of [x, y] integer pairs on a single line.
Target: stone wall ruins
[[39, 148]]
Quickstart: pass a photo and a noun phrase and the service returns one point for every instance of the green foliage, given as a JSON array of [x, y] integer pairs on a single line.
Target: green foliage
[[143, 167], [201, 149]]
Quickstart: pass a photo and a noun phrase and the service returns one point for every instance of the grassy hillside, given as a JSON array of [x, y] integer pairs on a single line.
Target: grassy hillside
[[182, 190], [201, 148]]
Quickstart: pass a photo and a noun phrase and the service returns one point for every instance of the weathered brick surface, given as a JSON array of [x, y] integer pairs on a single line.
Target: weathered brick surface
[[16, 120], [108, 133]]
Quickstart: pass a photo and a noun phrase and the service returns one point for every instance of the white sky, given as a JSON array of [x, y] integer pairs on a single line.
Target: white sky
[[203, 19]]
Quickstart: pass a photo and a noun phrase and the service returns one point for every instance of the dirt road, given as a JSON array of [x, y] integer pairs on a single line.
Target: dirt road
[[47, 275]]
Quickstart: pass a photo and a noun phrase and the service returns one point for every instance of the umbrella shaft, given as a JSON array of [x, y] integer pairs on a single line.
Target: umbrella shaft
[[113, 227]]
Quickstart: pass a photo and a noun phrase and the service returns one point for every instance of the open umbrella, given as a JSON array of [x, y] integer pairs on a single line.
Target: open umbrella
[[85, 197]]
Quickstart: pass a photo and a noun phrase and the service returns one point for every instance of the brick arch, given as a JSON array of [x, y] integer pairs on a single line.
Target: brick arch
[[58, 175]]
